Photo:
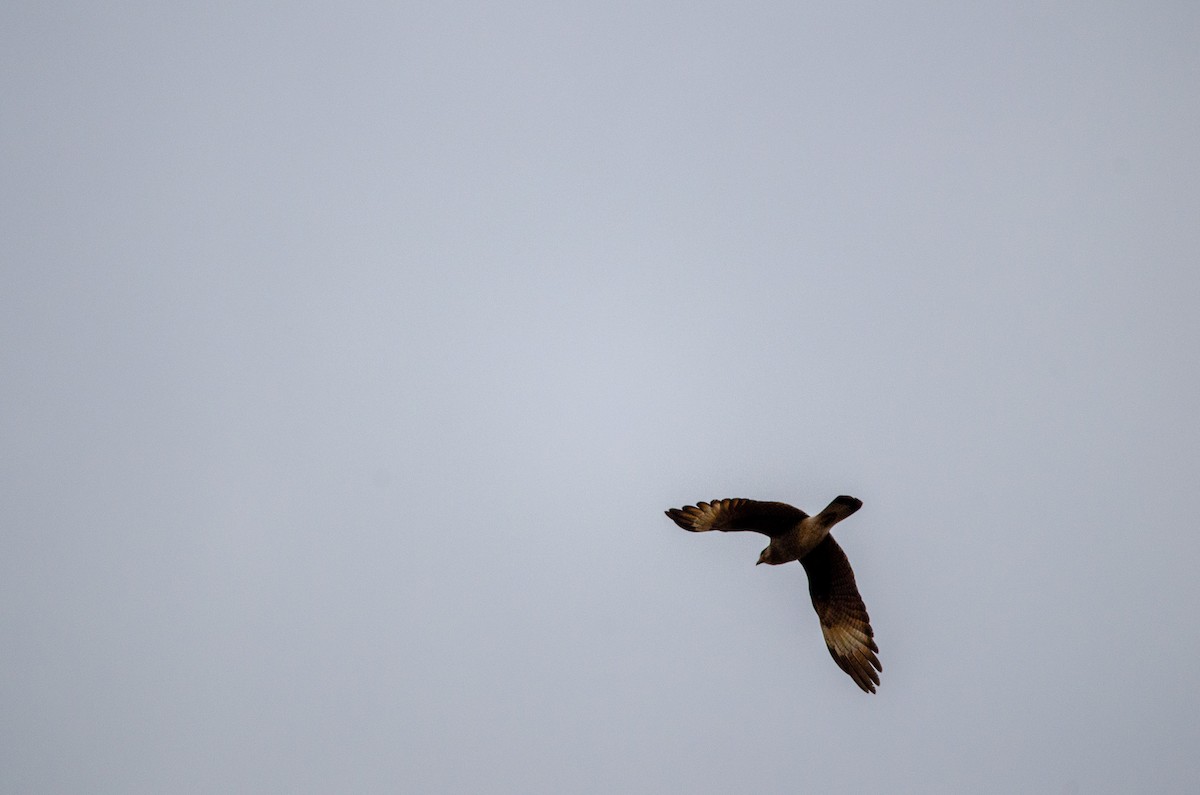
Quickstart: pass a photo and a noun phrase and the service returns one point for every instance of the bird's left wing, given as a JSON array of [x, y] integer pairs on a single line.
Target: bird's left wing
[[768, 518]]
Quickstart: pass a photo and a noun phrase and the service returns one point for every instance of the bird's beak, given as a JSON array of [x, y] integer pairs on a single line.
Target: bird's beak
[[758, 561]]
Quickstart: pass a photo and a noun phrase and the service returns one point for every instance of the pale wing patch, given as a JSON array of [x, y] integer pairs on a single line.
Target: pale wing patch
[[698, 518]]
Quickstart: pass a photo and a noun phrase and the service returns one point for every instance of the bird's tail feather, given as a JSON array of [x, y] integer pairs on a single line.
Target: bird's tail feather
[[839, 509]]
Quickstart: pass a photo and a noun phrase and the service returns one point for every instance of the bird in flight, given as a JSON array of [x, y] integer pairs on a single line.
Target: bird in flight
[[797, 536]]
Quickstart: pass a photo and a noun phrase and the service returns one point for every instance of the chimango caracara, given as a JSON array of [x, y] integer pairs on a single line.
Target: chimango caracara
[[797, 536]]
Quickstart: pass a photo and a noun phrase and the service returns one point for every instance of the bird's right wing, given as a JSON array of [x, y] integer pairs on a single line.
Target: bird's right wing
[[769, 518], [844, 620]]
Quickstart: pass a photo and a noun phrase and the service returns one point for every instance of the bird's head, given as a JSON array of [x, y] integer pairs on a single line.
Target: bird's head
[[769, 557]]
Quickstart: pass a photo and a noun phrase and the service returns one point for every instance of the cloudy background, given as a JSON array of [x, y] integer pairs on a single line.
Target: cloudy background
[[351, 353]]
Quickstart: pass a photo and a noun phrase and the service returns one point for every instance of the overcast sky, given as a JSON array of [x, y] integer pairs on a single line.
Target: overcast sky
[[351, 352]]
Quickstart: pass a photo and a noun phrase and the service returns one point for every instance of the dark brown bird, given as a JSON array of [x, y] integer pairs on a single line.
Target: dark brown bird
[[797, 536]]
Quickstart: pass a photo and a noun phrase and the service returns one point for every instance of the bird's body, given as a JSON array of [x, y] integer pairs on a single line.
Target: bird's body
[[797, 536]]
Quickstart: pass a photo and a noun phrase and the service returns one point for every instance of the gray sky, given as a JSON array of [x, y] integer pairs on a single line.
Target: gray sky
[[352, 352]]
